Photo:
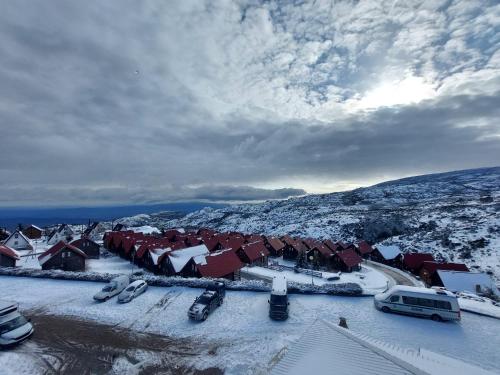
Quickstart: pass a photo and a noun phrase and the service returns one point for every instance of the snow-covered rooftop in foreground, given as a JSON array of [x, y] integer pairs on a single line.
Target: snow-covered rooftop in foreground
[[326, 349], [457, 281]]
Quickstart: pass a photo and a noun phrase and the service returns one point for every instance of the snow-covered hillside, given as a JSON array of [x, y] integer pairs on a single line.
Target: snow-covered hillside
[[453, 215]]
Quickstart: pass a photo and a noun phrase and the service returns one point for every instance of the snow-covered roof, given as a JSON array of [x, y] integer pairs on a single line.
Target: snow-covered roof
[[325, 349], [389, 251], [457, 281], [279, 285], [146, 229], [179, 258], [157, 253]]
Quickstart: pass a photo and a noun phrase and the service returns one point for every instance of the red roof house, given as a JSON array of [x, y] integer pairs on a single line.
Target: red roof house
[[347, 260], [414, 261], [254, 253], [428, 271], [63, 256], [8, 256], [224, 263], [274, 245], [364, 249]]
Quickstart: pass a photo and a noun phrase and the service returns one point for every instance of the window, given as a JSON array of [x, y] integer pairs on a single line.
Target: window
[[445, 305], [394, 299], [16, 235], [410, 300]]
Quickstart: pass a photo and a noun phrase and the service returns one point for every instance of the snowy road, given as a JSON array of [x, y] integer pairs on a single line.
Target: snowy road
[[245, 338]]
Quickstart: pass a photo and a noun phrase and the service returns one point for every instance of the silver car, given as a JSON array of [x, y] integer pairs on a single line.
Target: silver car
[[133, 290], [14, 328]]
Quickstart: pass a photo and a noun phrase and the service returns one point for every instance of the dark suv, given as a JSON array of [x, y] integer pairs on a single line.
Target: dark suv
[[211, 298]]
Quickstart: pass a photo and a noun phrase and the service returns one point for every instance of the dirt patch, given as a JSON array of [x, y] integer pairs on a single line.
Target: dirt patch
[[66, 345]]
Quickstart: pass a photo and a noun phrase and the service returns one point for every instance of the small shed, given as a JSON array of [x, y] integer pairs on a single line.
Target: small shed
[[89, 247], [18, 241], [33, 232], [64, 257], [414, 261], [428, 271], [8, 256], [387, 254]]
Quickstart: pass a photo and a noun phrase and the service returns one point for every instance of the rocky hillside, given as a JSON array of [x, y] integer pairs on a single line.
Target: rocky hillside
[[453, 215]]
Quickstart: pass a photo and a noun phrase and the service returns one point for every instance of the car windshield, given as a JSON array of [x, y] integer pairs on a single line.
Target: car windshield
[[12, 324], [108, 288], [278, 300], [204, 300], [130, 288]]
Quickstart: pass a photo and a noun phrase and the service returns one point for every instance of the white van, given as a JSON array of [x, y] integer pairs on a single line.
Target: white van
[[113, 288], [14, 328], [436, 304]]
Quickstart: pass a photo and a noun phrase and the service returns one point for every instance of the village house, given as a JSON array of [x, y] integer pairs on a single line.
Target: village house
[[274, 246], [8, 256], [429, 275], [222, 264], [64, 257], [94, 231], [364, 249], [18, 241], [254, 254], [180, 262], [413, 261], [292, 248], [319, 255], [119, 227], [33, 232], [346, 261], [470, 282], [89, 247], [62, 233], [387, 254]]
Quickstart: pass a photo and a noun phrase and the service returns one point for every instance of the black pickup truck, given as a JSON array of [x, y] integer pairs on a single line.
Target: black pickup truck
[[210, 299]]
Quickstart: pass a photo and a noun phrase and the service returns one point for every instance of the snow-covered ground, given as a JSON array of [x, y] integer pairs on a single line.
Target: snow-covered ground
[[247, 339], [480, 305], [370, 280]]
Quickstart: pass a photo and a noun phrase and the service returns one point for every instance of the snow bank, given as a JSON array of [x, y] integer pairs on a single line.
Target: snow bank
[[346, 289]]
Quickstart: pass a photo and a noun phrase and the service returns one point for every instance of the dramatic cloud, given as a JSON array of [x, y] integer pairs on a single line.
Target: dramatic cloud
[[128, 101]]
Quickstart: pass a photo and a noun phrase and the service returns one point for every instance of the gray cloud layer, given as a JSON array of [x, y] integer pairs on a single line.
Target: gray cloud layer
[[153, 101]]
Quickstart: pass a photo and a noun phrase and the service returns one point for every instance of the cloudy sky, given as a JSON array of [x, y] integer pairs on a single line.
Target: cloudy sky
[[150, 101]]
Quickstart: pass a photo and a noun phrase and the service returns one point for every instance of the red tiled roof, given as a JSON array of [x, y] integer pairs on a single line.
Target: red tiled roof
[[219, 264], [8, 252], [349, 257], [415, 260], [364, 247], [311, 243], [331, 245], [211, 243], [255, 250], [323, 249], [233, 242], [275, 243], [432, 267]]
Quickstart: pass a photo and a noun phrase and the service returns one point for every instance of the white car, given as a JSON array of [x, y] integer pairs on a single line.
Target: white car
[[14, 328], [133, 290], [114, 287]]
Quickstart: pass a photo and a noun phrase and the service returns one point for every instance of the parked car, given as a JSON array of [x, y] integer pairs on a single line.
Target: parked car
[[278, 301], [436, 304], [14, 328], [133, 290], [211, 298], [113, 288]]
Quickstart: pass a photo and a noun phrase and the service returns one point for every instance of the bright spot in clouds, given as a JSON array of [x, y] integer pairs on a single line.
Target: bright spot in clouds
[[410, 90]]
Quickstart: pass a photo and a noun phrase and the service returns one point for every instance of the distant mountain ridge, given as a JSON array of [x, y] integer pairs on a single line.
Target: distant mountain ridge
[[454, 215]]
